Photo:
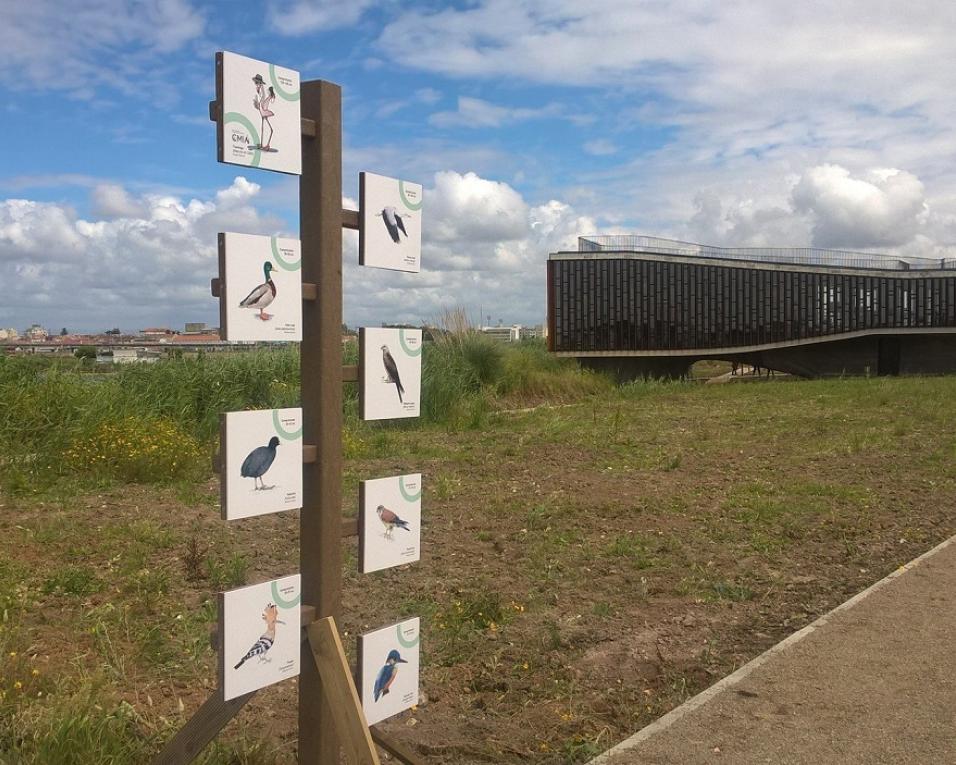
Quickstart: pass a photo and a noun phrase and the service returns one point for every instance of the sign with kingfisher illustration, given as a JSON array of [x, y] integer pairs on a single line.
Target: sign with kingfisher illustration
[[390, 230], [261, 295], [259, 122]]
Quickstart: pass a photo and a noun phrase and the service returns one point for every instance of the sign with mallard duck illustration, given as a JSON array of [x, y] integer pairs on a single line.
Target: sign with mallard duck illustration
[[390, 228], [388, 661], [390, 522], [259, 122], [390, 372], [259, 635], [260, 462], [261, 291]]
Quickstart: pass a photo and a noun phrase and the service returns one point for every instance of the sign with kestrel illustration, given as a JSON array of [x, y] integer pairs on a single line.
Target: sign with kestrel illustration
[[260, 462], [390, 522], [259, 635], [259, 122], [390, 231], [261, 293], [388, 661], [390, 373]]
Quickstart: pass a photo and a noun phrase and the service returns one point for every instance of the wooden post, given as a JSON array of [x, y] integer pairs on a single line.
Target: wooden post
[[333, 668], [320, 526], [200, 729]]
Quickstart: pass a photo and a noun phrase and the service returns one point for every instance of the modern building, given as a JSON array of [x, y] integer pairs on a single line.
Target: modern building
[[646, 306]]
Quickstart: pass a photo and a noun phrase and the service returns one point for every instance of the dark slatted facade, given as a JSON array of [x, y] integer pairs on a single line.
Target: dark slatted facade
[[626, 302]]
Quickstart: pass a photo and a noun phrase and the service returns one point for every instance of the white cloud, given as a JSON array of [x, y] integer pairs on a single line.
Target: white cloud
[[601, 147], [144, 260], [884, 209], [307, 16], [476, 113], [110, 200], [97, 45]]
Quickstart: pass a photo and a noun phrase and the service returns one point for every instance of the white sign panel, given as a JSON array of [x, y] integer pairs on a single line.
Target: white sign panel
[[261, 462], [260, 124], [259, 635], [390, 372], [390, 234], [389, 664], [390, 516], [262, 291]]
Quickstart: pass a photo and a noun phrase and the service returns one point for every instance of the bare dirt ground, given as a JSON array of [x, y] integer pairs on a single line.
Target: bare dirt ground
[[585, 569]]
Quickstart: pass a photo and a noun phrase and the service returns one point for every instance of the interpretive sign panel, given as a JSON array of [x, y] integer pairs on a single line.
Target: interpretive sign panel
[[390, 234], [390, 373], [388, 662], [259, 635], [390, 529], [261, 462], [262, 288], [259, 123]]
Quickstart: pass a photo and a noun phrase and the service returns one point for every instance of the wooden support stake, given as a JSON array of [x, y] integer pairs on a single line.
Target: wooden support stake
[[340, 692], [320, 521], [200, 729], [394, 748]]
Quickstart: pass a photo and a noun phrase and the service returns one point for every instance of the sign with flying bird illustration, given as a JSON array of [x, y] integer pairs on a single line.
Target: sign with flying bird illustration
[[390, 223], [390, 527], [390, 372]]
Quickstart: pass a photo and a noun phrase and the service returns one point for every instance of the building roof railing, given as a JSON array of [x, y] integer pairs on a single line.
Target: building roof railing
[[795, 255]]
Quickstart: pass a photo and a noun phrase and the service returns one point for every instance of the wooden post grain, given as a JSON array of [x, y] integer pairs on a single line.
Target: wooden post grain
[[320, 556], [333, 667], [200, 729]]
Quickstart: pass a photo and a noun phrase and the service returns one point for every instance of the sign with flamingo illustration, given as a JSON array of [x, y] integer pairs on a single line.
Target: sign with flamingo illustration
[[260, 462], [259, 123], [259, 635], [261, 294], [390, 232], [390, 522], [390, 373], [388, 661]]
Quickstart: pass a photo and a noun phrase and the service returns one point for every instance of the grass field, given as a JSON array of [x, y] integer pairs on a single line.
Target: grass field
[[588, 562]]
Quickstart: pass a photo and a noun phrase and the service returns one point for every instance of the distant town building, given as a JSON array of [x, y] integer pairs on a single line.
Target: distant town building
[[157, 334], [512, 334], [9, 334], [127, 356], [35, 333], [195, 327]]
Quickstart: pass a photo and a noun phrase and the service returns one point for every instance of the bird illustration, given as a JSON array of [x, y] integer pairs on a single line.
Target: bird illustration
[[258, 461], [388, 673], [391, 370], [394, 224], [262, 295], [261, 647], [390, 520]]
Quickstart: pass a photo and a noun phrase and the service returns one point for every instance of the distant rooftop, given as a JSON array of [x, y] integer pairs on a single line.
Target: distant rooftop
[[796, 255]]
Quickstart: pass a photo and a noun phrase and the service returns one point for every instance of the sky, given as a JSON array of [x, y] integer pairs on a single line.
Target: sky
[[528, 122]]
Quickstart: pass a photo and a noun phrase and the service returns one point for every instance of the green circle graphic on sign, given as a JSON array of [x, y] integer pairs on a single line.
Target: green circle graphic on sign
[[404, 343], [282, 602], [410, 205], [244, 121], [288, 435], [407, 643], [406, 494], [283, 264], [275, 83]]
